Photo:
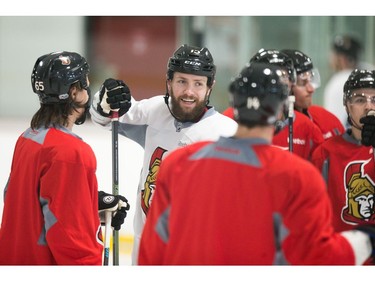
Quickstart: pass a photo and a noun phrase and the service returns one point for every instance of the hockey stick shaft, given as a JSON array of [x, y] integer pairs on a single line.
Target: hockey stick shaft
[[290, 120], [107, 237], [115, 181]]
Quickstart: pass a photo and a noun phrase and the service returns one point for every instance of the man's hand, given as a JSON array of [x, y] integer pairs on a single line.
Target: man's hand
[[114, 96], [116, 204], [368, 129]]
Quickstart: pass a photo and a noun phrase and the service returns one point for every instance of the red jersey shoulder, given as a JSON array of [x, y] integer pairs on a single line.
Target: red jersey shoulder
[[302, 120], [68, 147], [286, 159], [228, 112], [335, 144], [317, 110], [329, 123]]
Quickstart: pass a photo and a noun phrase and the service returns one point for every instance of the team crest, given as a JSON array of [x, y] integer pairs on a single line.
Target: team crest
[[149, 185], [359, 194]]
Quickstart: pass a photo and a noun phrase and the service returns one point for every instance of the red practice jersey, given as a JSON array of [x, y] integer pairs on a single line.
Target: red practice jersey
[[228, 112], [217, 203], [51, 202], [327, 122], [349, 170], [306, 135]]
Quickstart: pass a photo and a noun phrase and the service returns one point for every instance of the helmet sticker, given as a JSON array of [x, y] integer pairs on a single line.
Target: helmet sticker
[[64, 60]]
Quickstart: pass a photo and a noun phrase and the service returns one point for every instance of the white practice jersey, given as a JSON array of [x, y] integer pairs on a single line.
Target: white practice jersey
[[149, 123]]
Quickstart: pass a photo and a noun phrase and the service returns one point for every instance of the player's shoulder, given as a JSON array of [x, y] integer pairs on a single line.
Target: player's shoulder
[[180, 153], [229, 112], [317, 109], [153, 101], [321, 114], [302, 119], [325, 116], [332, 144], [218, 115], [218, 122], [65, 140], [289, 162], [300, 116]]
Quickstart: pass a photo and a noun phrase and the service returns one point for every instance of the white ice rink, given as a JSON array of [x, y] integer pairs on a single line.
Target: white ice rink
[[130, 162]]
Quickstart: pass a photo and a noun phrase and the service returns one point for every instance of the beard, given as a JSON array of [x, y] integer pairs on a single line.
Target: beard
[[82, 118], [191, 114]]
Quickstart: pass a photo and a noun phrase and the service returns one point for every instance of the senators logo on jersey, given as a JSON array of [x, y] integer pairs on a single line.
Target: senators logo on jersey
[[359, 194], [149, 185]]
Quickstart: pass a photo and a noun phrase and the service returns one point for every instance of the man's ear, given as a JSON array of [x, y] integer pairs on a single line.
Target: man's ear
[[73, 92], [168, 83]]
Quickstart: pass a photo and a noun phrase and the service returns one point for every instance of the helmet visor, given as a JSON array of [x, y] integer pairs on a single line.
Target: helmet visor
[[312, 76]]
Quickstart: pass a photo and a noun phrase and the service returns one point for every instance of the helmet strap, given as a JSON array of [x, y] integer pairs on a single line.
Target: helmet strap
[[208, 96], [166, 96], [166, 100]]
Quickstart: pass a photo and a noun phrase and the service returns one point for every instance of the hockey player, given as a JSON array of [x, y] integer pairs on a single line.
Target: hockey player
[[344, 57], [308, 80], [305, 134], [163, 123], [51, 199], [347, 161], [217, 201]]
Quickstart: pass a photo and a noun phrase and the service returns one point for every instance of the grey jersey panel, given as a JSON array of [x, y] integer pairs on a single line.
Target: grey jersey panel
[[241, 149]]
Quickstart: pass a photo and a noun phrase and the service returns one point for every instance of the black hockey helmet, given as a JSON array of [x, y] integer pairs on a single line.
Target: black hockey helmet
[[347, 45], [54, 73], [301, 61], [303, 65], [276, 57], [358, 79], [258, 93], [192, 60]]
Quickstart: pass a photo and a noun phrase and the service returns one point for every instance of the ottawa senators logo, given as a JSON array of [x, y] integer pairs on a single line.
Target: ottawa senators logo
[[149, 185], [64, 60], [359, 194], [99, 236]]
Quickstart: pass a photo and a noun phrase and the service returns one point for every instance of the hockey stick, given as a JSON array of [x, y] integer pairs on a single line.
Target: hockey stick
[[291, 99], [107, 237], [115, 188]]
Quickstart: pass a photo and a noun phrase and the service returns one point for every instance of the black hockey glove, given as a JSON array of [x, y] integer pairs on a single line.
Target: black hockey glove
[[116, 204], [368, 129], [114, 96]]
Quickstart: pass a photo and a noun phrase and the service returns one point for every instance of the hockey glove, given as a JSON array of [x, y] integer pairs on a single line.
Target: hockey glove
[[368, 129], [116, 204], [114, 96]]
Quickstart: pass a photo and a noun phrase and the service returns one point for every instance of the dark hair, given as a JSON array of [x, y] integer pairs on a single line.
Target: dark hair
[[55, 114], [347, 45]]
